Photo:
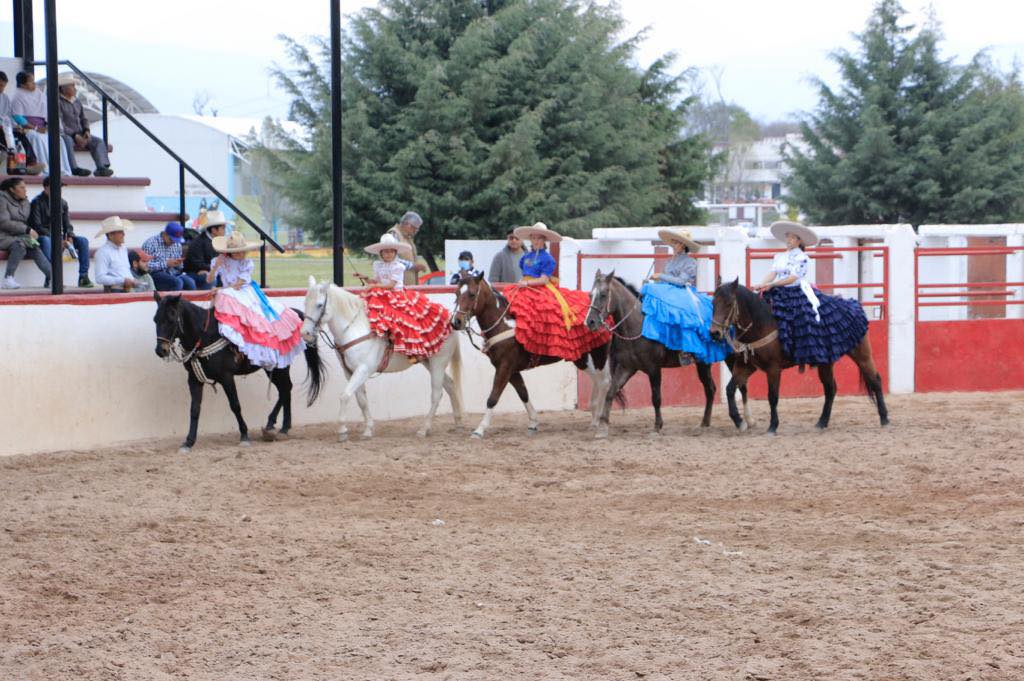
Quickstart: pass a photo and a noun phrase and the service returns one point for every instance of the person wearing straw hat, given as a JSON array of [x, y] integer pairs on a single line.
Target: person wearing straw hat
[[267, 332], [416, 325], [676, 314], [550, 320], [111, 268], [200, 253], [814, 328]]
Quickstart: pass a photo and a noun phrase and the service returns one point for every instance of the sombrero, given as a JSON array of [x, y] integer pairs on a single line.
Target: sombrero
[[213, 218], [783, 227], [233, 244], [683, 236], [540, 228], [113, 224], [389, 242]]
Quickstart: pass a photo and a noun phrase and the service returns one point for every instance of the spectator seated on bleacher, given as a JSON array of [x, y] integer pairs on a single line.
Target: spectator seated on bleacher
[[140, 270], [75, 130], [39, 220], [16, 237], [111, 267], [12, 133], [201, 252], [28, 106], [166, 259]]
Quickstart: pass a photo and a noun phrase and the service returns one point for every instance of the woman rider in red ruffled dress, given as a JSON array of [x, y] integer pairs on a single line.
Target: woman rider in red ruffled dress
[[418, 327], [549, 319]]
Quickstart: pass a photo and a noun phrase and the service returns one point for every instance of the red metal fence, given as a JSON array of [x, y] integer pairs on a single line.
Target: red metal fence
[[980, 351]]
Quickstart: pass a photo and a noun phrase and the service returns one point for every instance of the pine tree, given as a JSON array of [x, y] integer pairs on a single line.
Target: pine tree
[[910, 137], [486, 115]]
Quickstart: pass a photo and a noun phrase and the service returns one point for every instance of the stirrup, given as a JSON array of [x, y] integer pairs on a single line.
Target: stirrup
[[685, 359]]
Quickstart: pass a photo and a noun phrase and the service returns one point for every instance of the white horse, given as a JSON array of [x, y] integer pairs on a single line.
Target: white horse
[[364, 352]]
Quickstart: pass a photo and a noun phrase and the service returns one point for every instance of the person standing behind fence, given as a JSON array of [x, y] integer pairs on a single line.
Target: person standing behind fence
[[201, 253], [505, 265], [405, 232], [74, 128], [166, 259]]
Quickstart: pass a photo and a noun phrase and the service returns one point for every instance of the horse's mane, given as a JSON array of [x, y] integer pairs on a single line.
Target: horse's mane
[[349, 305], [629, 287], [760, 311], [502, 300]]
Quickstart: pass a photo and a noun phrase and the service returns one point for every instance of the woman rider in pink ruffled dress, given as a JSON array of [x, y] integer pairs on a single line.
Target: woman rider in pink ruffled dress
[[267, 333]]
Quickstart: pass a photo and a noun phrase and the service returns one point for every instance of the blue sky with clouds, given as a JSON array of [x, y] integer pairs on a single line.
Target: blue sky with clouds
[[763, 53]]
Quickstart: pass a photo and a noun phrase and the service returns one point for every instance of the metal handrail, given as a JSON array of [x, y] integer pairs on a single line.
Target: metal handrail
[[182, 165]]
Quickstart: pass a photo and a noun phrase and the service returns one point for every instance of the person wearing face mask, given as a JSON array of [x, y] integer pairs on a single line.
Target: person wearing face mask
[[465, 266]]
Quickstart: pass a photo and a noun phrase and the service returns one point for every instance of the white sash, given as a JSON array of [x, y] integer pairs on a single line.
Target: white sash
[[811, 298]]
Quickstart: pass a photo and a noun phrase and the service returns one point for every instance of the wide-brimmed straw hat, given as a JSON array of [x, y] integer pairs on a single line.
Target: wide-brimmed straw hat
[[235, 243], [389, 242], [682, 236], [213, 218], [783, 227], [114, 224], [540, 228]]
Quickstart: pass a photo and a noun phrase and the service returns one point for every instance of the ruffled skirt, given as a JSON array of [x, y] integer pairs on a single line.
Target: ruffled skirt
[[541, 322], [268, 333], [807, 341], [680, 319], [417, 326]]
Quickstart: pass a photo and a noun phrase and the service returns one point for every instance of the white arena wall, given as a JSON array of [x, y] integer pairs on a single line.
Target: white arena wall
[[86, 375]]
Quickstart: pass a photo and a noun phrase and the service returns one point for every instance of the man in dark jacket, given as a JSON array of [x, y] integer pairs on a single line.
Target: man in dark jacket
[[74, 129], [39, 220], [200, 250]]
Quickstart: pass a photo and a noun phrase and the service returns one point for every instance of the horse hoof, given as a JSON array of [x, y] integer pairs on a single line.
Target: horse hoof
[[821, 426], [532, 430], [184, 449], [422, 433], [743, 426], [244, 443], [367, 435], [601, 433], [476, 435], [342, 437], [884, 422], [268, 434], [771, 431], [283, 435]]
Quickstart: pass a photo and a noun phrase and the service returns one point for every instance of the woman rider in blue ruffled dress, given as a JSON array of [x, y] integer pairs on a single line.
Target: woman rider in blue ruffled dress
[[676, 314], [814, 328]]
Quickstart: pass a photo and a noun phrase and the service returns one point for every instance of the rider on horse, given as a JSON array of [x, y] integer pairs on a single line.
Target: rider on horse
[[549, 319], [814, 328], [676, 314]]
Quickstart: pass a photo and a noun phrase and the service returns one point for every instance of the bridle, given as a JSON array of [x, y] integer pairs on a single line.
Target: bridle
[[176, 351], [607, 312], [732, 321], [466, 316], [340, 349]]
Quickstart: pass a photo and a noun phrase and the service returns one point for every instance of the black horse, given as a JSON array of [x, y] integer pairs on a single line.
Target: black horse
[[195, 328]]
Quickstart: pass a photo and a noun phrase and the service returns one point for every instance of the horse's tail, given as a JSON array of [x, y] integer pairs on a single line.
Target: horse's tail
[[315, 375], [456, 365]]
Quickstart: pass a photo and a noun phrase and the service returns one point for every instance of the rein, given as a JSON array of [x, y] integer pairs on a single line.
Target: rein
[[608, 313], [488, 343], [177, 350], [739, 347], [340, 349]]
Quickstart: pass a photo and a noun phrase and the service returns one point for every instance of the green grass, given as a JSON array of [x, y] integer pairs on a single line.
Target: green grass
[[294, 271]]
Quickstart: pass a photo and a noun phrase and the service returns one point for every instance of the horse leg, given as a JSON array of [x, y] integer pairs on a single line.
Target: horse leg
[[286, 398], [195, 389], [520, 385], [708, 381], [740, 374], [453, 395], [620, 375], [654, 376], [599, 383], [501, 378], [281, 379], [355, 381], [865, 360], [747, 418], [228, 383], [364, 406], [437, 376], [828, 381], [774, 375]]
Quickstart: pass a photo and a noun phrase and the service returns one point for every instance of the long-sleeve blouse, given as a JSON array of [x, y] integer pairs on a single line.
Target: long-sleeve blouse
[[537, 264], [681, 270], [390, 271], [791, 263], [235, 270]]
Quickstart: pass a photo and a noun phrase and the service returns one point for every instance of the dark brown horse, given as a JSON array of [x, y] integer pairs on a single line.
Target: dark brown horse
[[756, 345], [630, 352], [477, 298]]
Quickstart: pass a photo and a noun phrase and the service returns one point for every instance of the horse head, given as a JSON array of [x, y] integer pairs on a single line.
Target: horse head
[[315, 309], [470, 297], [726, 308], [168, 322], [329, 304], [600, 300]]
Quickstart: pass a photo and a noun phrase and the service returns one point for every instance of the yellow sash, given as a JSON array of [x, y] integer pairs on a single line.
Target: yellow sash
[[568, 316]]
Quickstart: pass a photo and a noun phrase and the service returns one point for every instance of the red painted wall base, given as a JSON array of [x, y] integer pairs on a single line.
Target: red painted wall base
[[969, 355]]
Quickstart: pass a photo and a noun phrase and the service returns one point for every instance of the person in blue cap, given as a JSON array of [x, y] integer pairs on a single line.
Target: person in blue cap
[[165, 263]]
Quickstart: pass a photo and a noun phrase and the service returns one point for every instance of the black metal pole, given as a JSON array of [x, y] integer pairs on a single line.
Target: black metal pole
[[53, 136], [181, 194], [24, 47], [263, 263], [106, 136], [338, 191]]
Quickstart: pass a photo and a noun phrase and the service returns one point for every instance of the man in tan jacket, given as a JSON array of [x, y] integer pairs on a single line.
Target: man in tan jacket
[[405, 232]]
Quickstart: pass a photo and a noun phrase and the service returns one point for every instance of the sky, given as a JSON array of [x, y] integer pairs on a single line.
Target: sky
[[762, 54]]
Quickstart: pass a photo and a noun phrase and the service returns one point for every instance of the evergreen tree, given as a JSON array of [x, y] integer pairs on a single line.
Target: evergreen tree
[[485, 115], [910, 137]]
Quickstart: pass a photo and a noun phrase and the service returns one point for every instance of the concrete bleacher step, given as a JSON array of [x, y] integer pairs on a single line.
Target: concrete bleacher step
[[146, 224], [96, 193]]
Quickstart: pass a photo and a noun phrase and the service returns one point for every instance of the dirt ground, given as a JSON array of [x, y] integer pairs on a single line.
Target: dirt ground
[[858, 553]]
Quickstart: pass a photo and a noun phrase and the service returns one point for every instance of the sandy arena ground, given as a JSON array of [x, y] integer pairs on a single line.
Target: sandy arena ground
[[859, 553]]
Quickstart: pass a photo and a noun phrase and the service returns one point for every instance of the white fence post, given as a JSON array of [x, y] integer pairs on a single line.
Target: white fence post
[[901, 241], [1015, 272]]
